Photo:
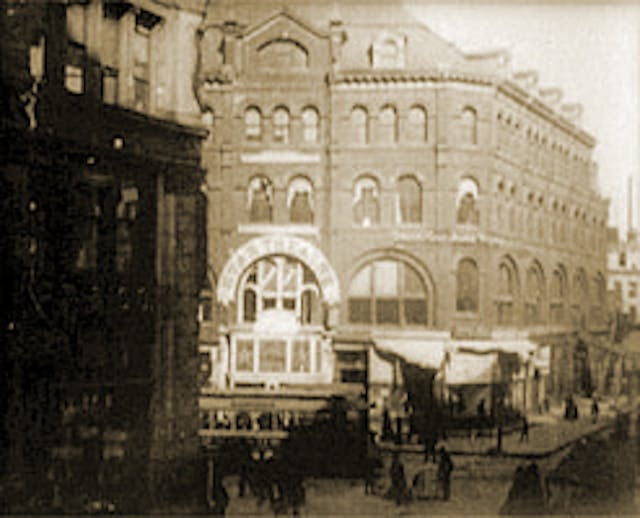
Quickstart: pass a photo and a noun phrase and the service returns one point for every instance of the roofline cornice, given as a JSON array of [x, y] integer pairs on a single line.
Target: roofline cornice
[[519, 94], [505, 86]]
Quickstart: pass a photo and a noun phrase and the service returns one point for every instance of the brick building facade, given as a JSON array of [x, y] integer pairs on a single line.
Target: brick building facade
[[373, 190]]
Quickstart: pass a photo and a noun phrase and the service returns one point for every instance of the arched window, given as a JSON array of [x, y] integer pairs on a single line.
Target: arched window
[[467, 286], [388, 125], [417, 127], [466, 203], [281, 284], [300, 201], [506, 293], [388, 292], [366, 205], [580, 298], [359, 125], [252, 123], [469, 123], [260, 200], [281, 125], [535, 295], [558, 294], [310, 125], [409, 200]]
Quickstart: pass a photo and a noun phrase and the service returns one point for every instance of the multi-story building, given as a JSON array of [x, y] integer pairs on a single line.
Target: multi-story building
[[376, 196], [101, 255], [623, 271]]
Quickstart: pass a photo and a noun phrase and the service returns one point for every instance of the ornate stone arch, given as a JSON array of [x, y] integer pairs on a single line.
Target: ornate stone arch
[[291, 246]]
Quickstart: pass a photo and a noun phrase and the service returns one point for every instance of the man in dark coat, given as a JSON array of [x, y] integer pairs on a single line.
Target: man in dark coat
[[445, 467], [398, 488]]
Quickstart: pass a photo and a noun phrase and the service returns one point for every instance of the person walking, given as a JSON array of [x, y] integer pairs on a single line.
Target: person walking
[[445, 467], [524, 431], [398, 483], [594, 409]]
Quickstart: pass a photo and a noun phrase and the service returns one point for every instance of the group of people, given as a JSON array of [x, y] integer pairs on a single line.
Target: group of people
[[267, 479], [401, 493]]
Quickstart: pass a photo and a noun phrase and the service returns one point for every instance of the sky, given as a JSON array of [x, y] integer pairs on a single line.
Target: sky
[[590, 50]]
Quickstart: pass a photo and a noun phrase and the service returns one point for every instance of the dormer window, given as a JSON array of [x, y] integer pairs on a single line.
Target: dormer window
[[388, 52]]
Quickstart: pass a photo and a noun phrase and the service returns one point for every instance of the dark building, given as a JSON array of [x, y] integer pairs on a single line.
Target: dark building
[[102, 258]]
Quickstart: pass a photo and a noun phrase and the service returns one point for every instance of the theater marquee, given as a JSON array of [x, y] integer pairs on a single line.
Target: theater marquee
[[291, 246]]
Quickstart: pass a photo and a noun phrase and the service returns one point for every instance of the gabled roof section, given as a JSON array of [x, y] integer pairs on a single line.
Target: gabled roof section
[[283, 13]]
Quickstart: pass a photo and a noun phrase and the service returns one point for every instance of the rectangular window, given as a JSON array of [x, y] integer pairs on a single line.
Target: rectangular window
[[244, 356], [388, 311], [633, 289], [74, 69], [360, 310], [36, 59], [301, 356], [273, 356], [141, 68], [109, 85]]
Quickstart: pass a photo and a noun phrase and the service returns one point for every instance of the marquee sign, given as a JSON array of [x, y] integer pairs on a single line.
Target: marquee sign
[[292, 246]]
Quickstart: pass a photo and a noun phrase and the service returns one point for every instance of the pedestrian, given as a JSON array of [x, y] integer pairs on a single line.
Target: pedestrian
[[220, 497], [398, 488], [524, 431], [445, 467], [499, 445], [594, 409]]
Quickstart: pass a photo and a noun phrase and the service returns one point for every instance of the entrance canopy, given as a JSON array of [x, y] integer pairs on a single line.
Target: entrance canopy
[[428, 354]]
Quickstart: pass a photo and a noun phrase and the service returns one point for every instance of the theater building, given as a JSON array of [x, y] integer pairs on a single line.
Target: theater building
[[376, 196]]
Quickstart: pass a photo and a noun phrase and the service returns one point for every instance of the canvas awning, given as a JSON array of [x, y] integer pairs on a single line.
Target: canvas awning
[[471, 369], [523, 348], [427, 354]]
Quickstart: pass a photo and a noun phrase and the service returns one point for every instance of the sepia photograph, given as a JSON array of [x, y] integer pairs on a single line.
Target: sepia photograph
[[319, 258]]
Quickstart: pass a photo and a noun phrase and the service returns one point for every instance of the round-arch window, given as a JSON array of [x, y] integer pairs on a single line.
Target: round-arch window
[[388, 292]]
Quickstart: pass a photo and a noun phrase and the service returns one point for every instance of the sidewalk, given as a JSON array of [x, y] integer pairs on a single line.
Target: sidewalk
[[548, 433]]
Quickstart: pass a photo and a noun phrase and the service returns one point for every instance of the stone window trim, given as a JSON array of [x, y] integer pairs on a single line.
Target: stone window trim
[[281, 122], [467, 212], [260, 190], [310, 125], [360, 125], [469, 126], [507, 293], [366, 202], [409, 201], [418, 124], [387, 125], [253, 123], [300, 185], [467, 286]]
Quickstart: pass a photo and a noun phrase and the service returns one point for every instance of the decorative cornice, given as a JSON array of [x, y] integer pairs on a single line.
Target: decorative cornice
[[520, 95], [405, 76]]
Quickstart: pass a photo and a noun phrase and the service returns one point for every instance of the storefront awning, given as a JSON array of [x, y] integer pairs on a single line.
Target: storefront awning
[[428, 354], [523, 348], [471, 369]]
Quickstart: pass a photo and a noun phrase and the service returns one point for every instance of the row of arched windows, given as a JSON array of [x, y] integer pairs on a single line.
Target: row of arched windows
[[542, 150], [280, 120], [387, 125], [391, 292], [387, 129], [365, 201]]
